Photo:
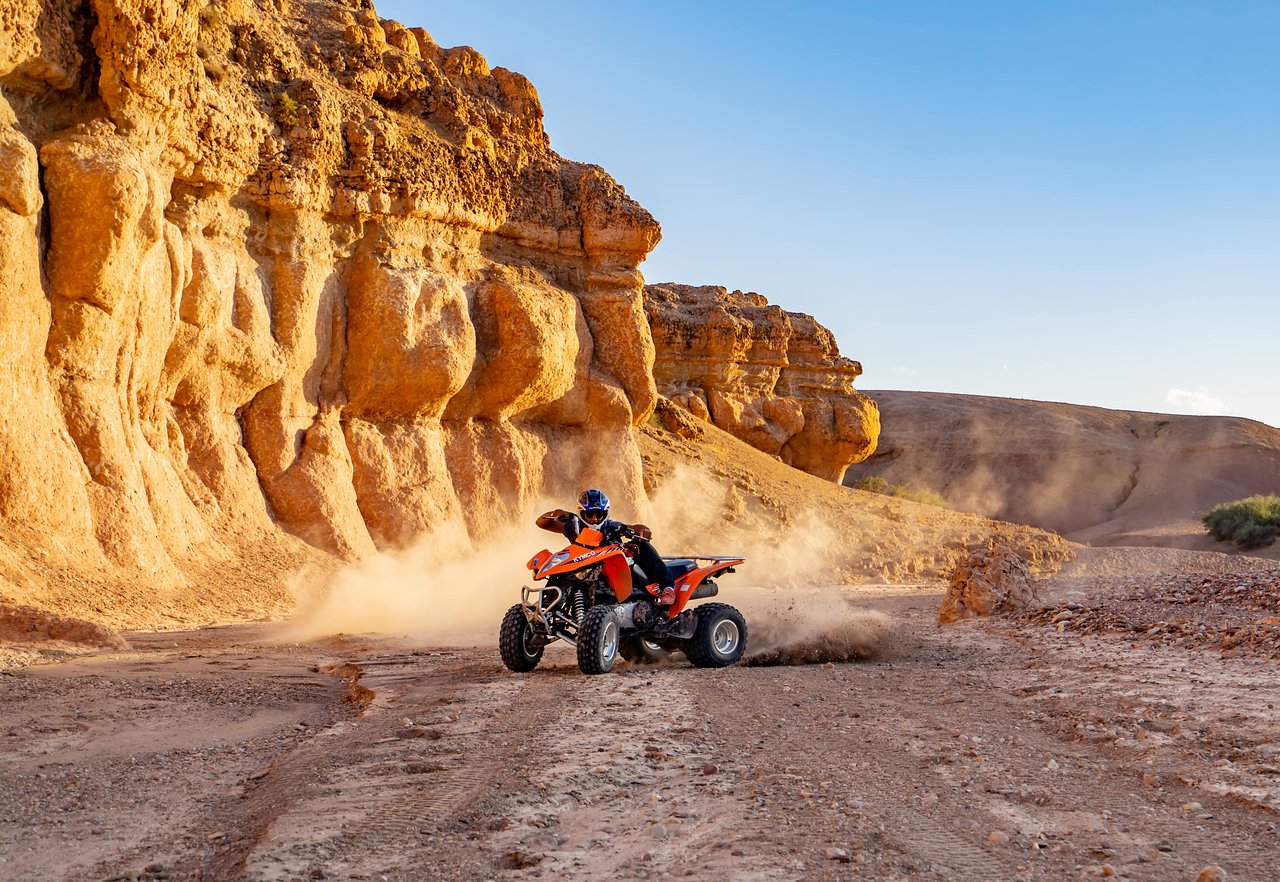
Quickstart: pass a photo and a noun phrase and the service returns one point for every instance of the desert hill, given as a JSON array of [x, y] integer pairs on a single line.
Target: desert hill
[[1104, 477]]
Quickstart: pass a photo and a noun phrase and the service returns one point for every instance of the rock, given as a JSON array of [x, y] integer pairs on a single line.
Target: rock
[[1212, 873], [994, 581], [710, 768], [25, 624], [837, 854], [293, 323], [1107, 870], [997, 837], [773, 378]]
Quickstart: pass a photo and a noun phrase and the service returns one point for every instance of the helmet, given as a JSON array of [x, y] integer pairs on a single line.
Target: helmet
[[593, 507]]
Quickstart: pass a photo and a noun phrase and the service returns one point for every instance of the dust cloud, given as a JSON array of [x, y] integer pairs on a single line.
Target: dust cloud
[[442, 591], [448, 590], [787, 590], [812, 628]]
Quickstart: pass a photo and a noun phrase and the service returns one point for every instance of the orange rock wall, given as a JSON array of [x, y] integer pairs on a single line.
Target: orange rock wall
[[274, 265], [773, 378]]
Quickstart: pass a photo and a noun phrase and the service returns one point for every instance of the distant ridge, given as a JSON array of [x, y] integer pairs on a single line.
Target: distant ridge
[[1098, 476]]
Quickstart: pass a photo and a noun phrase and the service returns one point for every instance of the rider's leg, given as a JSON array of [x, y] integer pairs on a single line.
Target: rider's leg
[[655, 569]]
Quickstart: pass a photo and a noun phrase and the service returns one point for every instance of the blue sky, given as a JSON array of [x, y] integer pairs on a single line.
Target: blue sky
[[1073, 201]]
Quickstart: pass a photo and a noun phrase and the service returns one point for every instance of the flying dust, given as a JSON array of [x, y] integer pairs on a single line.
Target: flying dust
[[447, 590]]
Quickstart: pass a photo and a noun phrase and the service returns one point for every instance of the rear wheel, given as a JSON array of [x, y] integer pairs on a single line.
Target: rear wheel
[[598, 640], [516, 642], [639, 651], [720, 637]]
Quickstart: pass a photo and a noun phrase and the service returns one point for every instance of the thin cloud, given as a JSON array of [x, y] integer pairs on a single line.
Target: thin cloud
[[1198, 401]]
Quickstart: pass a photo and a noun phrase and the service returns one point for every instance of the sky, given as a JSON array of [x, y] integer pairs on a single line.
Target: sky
[[1068, 201]]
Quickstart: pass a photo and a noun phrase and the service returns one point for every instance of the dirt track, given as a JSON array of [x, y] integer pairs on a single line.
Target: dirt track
[[215, 755]]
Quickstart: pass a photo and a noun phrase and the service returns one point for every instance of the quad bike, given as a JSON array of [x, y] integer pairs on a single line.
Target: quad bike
[[596, 599]]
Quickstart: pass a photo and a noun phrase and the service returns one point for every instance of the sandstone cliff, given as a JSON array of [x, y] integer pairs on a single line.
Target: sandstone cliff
[[773, 378], [281, 265]]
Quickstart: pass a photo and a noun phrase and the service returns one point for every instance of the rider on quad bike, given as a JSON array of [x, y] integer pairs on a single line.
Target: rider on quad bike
[[593, 510], [595, 596]]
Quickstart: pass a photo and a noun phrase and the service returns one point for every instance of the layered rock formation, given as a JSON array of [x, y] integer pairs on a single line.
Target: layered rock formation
[[773, 378], [273, 265]]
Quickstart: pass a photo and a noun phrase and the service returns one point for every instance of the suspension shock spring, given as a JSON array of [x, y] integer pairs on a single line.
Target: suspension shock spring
[[579, 605]]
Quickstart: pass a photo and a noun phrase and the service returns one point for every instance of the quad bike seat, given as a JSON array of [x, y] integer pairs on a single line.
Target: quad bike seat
[[678, 568]]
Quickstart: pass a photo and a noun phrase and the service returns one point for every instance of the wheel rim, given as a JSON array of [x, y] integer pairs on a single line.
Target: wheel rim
[[529, 650], [609, 642], [653, 648], [725, 636]]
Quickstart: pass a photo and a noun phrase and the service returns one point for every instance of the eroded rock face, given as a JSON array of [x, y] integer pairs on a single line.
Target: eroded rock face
[[773, 378], [992, 581], [301, 268]]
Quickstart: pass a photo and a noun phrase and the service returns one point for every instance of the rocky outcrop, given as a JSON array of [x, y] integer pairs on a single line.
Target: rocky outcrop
[[773, 378], [989, 582], [280, 266]]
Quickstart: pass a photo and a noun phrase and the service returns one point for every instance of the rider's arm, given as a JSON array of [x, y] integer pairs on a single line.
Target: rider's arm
[[641, 530], [555, 520]]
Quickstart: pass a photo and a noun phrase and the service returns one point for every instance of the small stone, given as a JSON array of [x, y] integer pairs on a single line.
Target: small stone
[[1165, 847], [997, 837], [1108, 870], [837, 854], [1192, 806], [1212, 873], [1150, 780], [542, 842], [710, 769]]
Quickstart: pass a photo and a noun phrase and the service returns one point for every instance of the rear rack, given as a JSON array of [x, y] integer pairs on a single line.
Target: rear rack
[[702, 557]]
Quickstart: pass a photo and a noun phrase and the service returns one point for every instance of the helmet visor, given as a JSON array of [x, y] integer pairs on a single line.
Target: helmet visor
[[594, 516]]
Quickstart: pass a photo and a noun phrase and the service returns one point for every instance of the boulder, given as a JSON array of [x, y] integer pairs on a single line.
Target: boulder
[[989, 582]]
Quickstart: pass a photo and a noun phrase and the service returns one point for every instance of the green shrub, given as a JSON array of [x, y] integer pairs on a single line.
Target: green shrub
[[876, 484], [1249, 523], [286, 111]]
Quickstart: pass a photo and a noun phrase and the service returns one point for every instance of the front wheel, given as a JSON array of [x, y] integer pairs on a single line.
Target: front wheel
[[516, 642], [720, 637], [598, 640], [639, 651]]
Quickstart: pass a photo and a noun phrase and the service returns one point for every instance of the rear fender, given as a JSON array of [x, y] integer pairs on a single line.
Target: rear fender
[[689, 582]]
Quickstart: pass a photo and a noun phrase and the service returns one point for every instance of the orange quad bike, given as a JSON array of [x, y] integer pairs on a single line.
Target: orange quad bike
[[596, 600]]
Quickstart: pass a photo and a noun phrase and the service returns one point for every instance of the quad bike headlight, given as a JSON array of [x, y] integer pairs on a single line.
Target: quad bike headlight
[[554, 561]]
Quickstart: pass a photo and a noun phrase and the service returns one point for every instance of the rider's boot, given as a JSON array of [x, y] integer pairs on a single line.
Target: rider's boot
[[666, 595]]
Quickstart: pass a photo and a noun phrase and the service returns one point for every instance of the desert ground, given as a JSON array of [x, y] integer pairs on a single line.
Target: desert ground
[[1144, 745]]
